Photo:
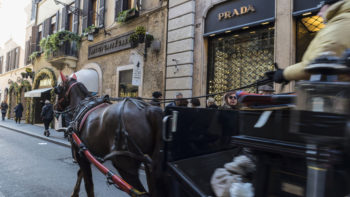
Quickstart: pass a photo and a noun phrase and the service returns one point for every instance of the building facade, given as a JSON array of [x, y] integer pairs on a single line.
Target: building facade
[[14, 81], [96, 40], [231, 44]]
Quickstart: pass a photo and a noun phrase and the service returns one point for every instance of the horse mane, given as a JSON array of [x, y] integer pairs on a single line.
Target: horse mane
[[85, 92]]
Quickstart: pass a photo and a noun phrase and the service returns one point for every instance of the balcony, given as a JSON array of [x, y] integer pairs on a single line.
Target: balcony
[[66, 55]]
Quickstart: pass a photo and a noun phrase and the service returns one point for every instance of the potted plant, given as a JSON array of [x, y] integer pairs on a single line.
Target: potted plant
[[141, 31], [127, 15], [92, 29], [55, 41], [34, 55], [134, 40], [24, 75], [149, 39]]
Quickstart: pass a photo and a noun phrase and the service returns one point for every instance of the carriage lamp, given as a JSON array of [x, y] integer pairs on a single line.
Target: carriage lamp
[[330, 97], [324, 92], [322, 113]]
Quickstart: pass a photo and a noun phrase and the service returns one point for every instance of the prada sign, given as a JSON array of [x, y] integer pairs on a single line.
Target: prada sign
[[109, 46], [235, 14]]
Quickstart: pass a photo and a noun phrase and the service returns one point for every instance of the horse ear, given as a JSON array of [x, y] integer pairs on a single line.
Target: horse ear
[[74, 77], [63, 77]]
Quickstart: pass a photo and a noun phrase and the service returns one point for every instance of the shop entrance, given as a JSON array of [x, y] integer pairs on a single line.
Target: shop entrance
[[240, 59], [39, 103]]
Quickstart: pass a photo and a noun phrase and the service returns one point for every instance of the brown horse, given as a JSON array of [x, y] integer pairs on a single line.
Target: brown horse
[[103, 133]]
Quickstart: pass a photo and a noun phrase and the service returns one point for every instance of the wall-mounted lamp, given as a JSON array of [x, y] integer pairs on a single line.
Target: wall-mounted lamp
[[90, 37], [74, 9], [155, 46]]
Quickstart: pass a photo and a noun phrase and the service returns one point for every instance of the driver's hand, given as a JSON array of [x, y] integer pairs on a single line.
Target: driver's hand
[[276, 76]]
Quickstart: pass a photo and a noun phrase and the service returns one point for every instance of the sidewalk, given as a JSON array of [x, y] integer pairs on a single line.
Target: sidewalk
[[35, 131]]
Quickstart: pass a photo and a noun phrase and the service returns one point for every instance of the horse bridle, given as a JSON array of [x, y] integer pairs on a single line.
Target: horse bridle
[[66, 99]]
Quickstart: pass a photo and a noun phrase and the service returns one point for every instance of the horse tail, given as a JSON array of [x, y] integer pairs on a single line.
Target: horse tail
[[155, 116]]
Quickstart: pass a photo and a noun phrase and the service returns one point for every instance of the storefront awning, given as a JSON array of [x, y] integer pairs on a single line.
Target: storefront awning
[[37, 92]]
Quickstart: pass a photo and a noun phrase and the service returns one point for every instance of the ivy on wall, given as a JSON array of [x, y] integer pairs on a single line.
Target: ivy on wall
[[13, 91], [42, 74], [26, 86]]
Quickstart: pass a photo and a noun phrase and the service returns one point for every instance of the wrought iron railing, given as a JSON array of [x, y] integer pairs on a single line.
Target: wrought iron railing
[[67, 49]]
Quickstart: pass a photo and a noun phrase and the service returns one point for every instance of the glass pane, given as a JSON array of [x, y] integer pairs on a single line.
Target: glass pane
[[239, 59], [126, 89], [307, 27]]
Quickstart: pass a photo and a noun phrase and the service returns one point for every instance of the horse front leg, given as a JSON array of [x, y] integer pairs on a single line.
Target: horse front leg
[[77, 184], [87, 174], [84, 172]]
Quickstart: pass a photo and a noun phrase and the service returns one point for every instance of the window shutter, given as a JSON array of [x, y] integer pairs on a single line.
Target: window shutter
[[101, 14], [13, 59], [118, 8], [64, 22], [27, 52], [46, 27], [76, 17], [17, 56], [57, 20], [85, 14], [34, 39], [7, 61]]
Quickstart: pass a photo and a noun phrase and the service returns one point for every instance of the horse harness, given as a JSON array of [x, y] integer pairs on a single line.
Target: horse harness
[[90, 104]]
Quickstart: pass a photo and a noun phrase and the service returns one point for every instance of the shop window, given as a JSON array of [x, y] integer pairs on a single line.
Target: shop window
[[307, 27], [239, 59], [126, 89]]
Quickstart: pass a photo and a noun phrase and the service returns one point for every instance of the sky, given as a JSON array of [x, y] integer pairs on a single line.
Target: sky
[[12, 21]]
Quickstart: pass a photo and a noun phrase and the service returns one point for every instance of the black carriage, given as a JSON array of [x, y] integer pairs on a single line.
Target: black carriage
[[300, 144], [197, 141]]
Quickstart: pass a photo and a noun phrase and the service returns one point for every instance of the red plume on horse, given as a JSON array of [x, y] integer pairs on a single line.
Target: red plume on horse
[[122, 132]]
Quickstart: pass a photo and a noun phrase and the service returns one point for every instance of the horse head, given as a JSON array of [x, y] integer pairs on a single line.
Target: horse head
[[70, 92]]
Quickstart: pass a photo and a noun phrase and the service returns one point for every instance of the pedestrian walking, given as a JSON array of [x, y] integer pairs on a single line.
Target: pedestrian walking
[[4, 108], [18, 111], [47, 116]]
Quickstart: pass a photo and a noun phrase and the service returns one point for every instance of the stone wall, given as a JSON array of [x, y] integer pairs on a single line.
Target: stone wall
[[180, 49], [155, 23]]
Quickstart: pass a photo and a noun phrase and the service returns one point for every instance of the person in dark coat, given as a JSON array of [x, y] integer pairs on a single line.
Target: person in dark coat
[[156, 96], [176, 102], [229, 101], [4, 108], [195, 102], [18, 111], [47, 116]]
